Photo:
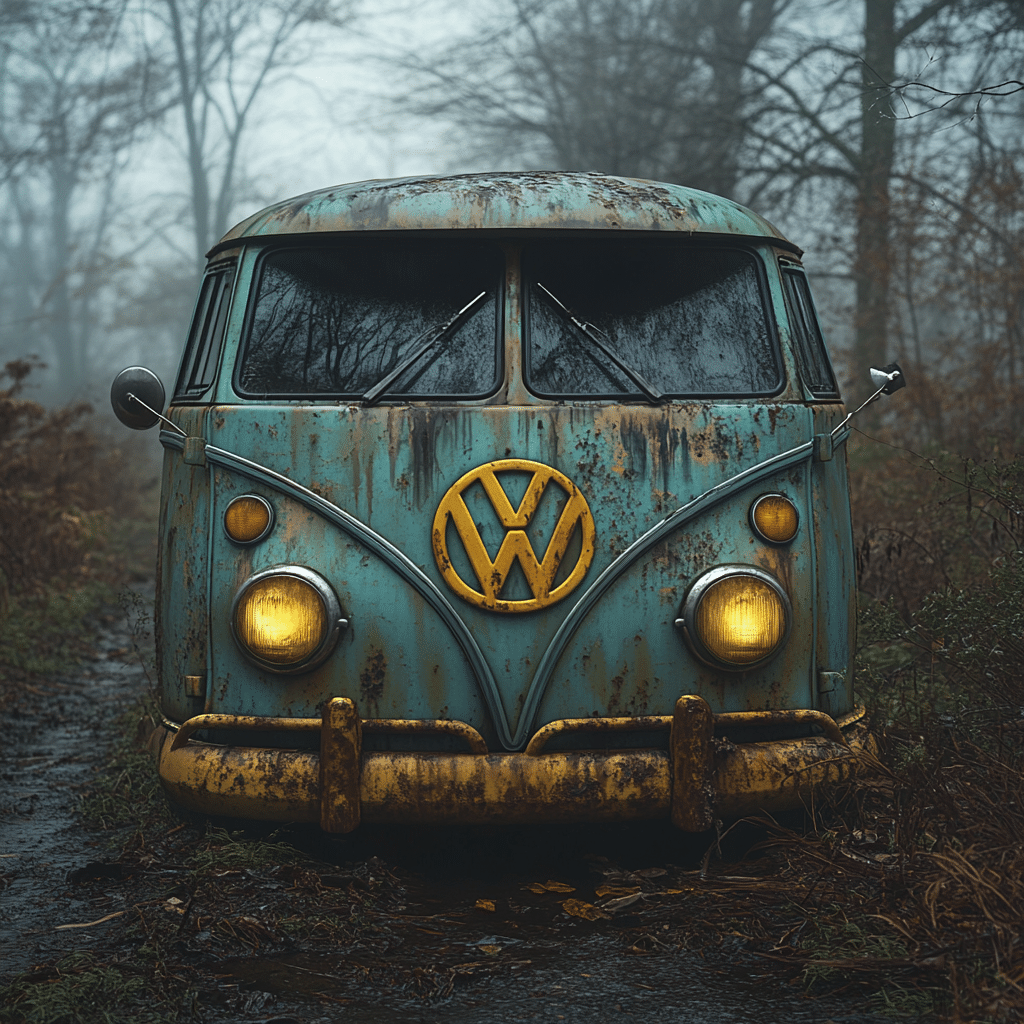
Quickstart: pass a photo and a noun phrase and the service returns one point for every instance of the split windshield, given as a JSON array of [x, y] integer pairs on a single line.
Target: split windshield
[[341, 320], [672, 321], [377, 321]]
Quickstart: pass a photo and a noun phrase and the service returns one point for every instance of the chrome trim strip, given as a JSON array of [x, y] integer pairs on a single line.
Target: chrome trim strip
[[389, 554], [657, 533]]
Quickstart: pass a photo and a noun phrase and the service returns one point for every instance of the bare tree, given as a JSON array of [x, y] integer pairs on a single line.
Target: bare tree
[[223, 55], [835, 111], [649, 88], [73, 98]]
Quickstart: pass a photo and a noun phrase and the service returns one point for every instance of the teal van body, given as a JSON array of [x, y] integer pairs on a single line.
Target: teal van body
[[629, 477]]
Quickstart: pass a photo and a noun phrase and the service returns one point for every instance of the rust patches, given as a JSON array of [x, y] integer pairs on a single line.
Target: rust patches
[[340, 749], [371, 679], [712, 444], [693, 792], [614, 702], [520, 199], [596, 725], [700, 776]]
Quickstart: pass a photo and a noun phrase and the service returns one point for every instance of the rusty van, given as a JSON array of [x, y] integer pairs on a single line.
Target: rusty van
[[511, 497]]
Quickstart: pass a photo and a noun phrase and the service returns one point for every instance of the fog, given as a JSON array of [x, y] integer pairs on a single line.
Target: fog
[[882, 136]]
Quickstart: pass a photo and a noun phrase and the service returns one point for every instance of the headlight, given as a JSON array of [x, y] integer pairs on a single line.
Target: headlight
[[286, 619], [248, 519], [774, 518], [736, 617]]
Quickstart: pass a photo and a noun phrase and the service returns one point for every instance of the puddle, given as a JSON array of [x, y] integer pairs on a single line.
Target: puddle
[[51, 746]]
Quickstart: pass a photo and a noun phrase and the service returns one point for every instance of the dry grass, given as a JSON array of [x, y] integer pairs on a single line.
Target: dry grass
[[911, 889]]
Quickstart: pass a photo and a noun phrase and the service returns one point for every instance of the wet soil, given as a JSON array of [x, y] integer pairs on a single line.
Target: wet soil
[[576, 924]]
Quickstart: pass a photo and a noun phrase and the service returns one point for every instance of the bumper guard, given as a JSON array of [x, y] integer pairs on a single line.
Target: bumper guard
[[700, 777]]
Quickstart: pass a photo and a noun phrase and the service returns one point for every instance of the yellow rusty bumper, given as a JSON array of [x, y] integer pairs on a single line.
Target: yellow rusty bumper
[[700, 777]]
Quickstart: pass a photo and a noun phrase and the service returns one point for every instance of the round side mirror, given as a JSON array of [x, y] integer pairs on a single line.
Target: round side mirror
[[143, 384]]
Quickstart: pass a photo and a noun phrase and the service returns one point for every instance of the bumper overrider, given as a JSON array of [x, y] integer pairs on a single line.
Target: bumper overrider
[[702, 775]]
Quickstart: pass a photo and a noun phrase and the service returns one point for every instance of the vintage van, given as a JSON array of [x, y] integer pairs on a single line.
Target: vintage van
[[503, 498]]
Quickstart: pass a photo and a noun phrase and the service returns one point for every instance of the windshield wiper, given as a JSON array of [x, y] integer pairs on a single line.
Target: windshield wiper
[[595, 335], [433, 335]]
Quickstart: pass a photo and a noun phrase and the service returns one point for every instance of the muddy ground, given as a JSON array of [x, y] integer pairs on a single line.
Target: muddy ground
[[132, 914]]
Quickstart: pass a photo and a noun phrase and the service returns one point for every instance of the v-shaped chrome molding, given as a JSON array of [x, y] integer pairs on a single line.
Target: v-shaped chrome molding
[[428, 590]]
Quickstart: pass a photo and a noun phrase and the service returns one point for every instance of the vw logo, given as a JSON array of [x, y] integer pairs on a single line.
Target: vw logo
[[485, 590]]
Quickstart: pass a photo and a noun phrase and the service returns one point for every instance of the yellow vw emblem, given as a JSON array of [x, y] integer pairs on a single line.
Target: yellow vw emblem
[[491, 576]]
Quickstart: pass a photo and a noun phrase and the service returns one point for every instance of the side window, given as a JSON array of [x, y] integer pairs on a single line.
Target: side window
[[206, 334], [815, 367]]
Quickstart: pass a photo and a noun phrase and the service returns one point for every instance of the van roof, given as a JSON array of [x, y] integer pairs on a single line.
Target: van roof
[[552, 200]]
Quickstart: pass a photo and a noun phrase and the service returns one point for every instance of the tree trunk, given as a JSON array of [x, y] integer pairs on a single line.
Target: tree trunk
[[189, 85], [62, 334], [872, 268]]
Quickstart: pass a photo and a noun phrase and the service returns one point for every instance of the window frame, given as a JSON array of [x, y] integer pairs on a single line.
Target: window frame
[[807, 336]]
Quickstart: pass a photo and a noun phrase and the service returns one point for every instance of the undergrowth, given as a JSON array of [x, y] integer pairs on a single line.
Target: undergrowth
[[77, 517], [80, 989], [914, 885]]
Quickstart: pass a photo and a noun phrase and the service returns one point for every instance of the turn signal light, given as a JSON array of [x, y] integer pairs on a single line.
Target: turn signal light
[[774, 518], [248, 519]]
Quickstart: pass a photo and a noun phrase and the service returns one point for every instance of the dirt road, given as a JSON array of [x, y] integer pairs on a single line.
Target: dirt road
[[153, 919]]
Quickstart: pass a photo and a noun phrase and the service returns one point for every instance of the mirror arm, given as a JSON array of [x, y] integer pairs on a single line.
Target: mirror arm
[[163, 419], [892, 380], [850, 415]]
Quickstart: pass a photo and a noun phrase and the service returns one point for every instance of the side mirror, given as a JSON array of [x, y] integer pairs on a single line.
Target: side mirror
[[137, 397], [885, 380], [888, 379]]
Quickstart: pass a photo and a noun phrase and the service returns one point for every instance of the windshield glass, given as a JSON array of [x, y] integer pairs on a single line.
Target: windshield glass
[[691, 321], [336, 321]]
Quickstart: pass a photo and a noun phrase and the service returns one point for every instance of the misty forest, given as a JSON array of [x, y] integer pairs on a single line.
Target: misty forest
[[885, 137]]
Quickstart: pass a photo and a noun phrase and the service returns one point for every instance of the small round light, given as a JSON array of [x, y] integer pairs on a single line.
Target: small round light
[[774, 518], [248, 519], [736, 617], [286, 619]]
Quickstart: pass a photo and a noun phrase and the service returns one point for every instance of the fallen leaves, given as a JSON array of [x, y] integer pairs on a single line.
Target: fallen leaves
[[616, 890], [621, 903], [578, 908], [549, 886]]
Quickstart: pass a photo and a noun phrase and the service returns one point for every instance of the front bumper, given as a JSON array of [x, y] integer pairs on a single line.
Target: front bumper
[[699, 778]]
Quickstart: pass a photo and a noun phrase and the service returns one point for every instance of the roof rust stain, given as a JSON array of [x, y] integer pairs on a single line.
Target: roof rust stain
[[536, 200]]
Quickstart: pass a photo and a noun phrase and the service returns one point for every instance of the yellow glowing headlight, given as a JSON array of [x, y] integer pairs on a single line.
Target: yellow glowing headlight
[[736, 617], [286, 619], [774, 518], [248, 518]]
